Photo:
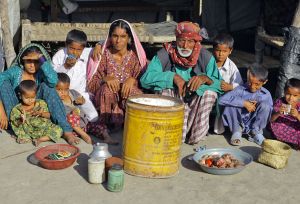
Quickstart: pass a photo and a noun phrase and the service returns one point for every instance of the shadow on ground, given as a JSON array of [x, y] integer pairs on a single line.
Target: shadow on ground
[[188, 163], [253, 151], [82, 166], [33, 160]]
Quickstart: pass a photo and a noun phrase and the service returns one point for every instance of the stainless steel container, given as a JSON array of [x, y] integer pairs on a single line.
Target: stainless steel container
[[100, 151]]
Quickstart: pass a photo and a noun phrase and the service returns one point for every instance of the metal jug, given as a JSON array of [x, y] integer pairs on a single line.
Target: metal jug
[[100, 150]]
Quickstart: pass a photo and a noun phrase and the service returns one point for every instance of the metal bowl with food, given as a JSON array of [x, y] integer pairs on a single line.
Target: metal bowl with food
[[222, 161]]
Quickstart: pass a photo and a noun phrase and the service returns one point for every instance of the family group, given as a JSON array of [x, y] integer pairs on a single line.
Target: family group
[[82, 91]]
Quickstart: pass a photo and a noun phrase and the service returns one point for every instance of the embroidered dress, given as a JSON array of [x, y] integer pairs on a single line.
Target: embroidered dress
[[111, 105], [286, 128], [33, 127]]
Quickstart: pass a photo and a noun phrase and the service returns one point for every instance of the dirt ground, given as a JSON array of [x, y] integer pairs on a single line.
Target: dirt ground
[[23, 181]]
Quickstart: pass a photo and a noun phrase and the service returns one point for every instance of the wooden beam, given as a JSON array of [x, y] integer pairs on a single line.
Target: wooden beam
[[9, 51], [296, 20]]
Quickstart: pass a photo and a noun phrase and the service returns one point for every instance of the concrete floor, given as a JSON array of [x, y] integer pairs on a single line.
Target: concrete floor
[[22, 181]]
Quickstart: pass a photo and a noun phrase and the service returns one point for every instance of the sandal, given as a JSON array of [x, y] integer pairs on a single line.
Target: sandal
[[236, 139], [258, 139]]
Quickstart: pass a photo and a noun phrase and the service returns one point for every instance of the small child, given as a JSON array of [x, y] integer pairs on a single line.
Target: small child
[[285, 120], [222, 48], [73, 60], [71, 99], [248, 108], [30, 120]]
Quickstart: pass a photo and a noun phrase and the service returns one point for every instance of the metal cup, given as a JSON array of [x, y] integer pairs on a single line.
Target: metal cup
[[287, 109]]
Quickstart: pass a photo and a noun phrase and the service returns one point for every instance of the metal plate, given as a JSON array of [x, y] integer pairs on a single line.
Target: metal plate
[[238, 154]]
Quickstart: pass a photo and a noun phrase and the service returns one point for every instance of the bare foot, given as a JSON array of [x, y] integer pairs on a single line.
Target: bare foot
[[70, 138], [23, 141], [36, 142], [87, 139], [107, 139]]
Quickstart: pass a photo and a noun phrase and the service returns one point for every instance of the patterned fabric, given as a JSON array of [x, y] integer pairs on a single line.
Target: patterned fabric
[[73, 119], [188, 30], [34, 127], [46, 93], [196, 115], [111, 105], [96, 129], [286, 128], [75, 116], [190, 61]]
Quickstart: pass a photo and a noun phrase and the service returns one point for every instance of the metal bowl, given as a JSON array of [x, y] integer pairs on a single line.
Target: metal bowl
[[236, 153]]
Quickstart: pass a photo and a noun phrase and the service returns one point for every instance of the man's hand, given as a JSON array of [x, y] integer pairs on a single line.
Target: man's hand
[[226, 86], [127, 86], [196, 81], [180, 83], [250, 106], [3, 118], [80, 100], [112, 83], [96, 55]]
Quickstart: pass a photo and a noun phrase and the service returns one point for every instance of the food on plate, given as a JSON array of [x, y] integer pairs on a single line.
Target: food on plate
[[223, 161], [63, 154]]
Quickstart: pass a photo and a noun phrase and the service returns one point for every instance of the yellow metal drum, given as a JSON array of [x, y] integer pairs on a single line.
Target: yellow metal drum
[[152, 135]]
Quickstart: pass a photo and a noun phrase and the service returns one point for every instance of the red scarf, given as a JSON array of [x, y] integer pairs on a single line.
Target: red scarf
[[186, 62]]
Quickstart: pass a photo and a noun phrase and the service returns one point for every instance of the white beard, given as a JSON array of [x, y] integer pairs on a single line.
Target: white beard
[[184, 52]]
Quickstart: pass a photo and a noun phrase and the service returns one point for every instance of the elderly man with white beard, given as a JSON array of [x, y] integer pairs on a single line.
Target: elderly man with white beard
[[186, 70]]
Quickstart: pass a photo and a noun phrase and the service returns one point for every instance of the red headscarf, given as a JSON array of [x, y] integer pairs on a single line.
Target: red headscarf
[[190, 31]]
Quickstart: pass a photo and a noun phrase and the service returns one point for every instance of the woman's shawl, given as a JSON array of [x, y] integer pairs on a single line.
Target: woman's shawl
[[140, 52], [17, 60]]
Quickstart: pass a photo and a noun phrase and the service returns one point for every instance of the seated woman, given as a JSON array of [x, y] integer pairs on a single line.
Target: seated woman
[[33, 63], [116, 78]]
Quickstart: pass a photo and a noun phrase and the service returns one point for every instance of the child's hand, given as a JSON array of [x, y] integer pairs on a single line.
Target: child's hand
[[79, 101], [250, 106], [70, 61], [282, 109], [37, 113], [226, 86], [23, 118], [294, 112]]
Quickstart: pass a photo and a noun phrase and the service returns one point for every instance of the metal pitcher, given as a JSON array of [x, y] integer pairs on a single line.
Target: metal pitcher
[[100, 150]]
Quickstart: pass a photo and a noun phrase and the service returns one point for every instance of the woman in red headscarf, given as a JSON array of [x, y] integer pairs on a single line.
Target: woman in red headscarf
[[186, 70]]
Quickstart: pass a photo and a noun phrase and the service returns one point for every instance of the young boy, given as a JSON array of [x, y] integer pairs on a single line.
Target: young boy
[[75, 116], [72, 60], [248, 108], [30, 119], [222, 48]]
